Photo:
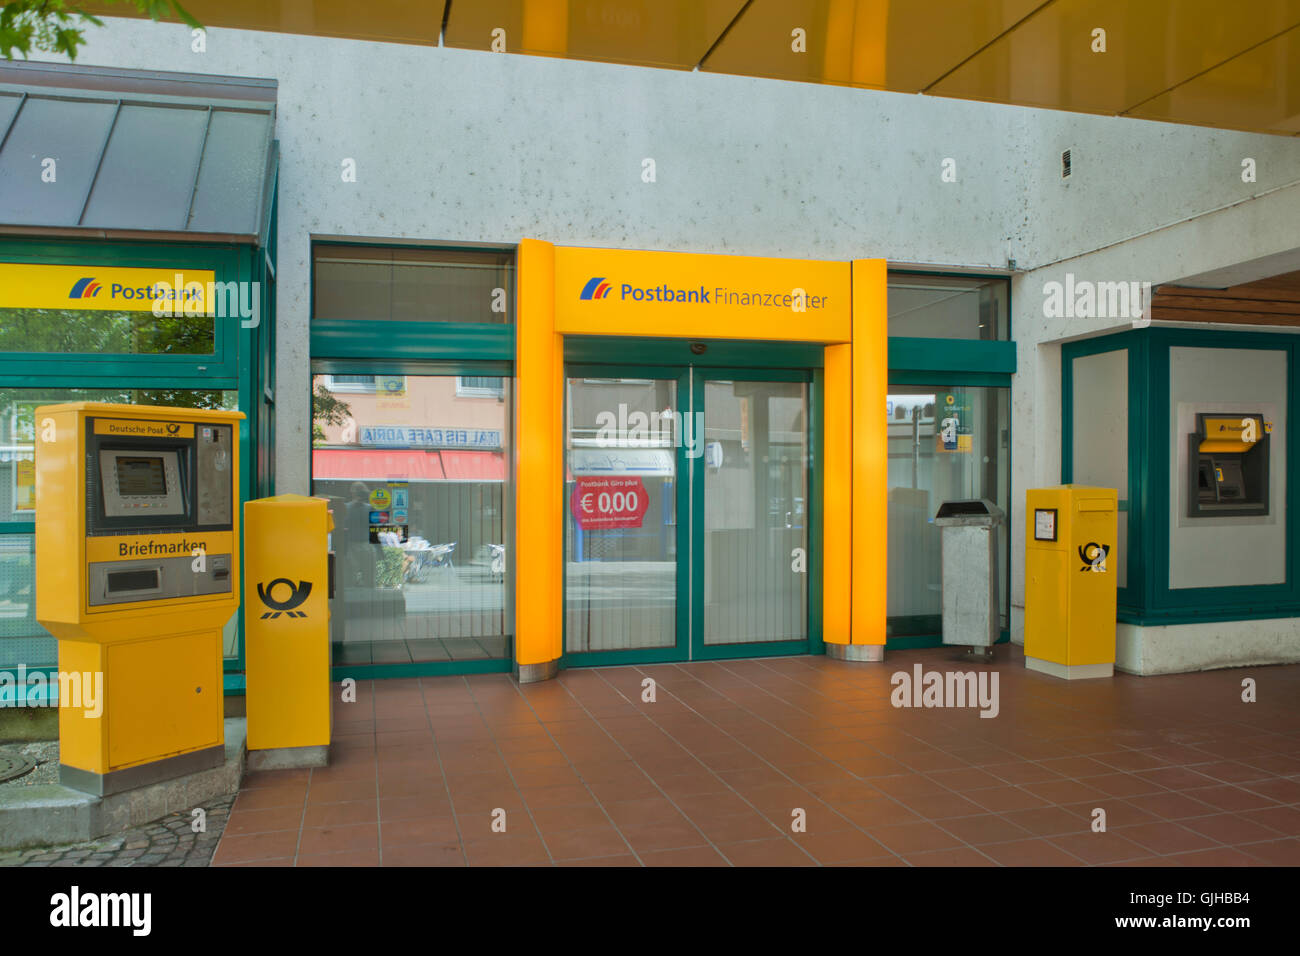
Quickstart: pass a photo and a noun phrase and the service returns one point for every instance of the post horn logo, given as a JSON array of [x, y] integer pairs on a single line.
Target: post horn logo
[[1093, 556], [297, 594]]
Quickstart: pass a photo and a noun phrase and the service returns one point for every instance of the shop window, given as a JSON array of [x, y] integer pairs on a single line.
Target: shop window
[[946, 442], [419, 489], [406, 284], [948, 307], [350, 383], [72, 331], [477, 386]]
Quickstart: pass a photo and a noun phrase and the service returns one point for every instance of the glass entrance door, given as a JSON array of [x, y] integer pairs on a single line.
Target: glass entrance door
[[687, 514], [752, 509], [626, 485]]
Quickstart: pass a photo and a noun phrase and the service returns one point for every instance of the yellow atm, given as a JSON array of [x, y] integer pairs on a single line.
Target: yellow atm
[[137, 559], [287, 638], [1070, 594]]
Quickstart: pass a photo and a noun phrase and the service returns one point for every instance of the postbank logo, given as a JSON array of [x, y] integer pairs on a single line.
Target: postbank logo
[[668, 294], [86, 288], [25, 285], [124, 428], [596, 288]]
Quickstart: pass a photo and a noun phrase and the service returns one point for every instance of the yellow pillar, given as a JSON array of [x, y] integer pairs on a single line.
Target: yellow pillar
[[870, 364], [837, 496], [539, 477]]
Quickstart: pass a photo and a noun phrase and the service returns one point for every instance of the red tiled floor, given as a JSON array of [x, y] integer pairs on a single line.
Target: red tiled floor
[[1030, 853], [1166, 838], [778, 851], [733, 752]]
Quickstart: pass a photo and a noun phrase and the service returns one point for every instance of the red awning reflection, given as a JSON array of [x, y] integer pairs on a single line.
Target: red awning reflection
[[406, 464], [365, 464], [474, 465]]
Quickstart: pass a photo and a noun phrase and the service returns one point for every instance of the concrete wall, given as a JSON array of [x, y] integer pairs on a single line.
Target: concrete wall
[[468, 146]]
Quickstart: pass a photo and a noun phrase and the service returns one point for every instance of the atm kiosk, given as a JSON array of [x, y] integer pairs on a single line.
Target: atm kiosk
[[137, 571], [1228, 466]]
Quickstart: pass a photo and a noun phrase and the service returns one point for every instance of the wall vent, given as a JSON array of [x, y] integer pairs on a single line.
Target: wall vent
[[1065, 165]]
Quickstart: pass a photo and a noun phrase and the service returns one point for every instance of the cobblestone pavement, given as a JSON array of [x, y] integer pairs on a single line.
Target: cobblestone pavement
[[167, 842]]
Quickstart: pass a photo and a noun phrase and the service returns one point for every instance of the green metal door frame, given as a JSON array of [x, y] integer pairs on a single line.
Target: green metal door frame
[[449, 366], [679, 650], [763, 362], [705, 652]]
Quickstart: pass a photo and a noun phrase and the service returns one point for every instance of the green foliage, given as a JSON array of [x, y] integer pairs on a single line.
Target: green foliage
[[72, 331], [389, 572], [55, 26], [326, 410]]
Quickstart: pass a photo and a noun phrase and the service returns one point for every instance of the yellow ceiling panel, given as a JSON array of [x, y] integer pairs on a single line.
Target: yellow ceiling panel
[[664, 33], [396, 21], [1206, 62], [1150, 46], [1259, 90], [903, 45]]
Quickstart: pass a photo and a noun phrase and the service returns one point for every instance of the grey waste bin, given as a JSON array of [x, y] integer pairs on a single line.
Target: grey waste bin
[[970, 572]]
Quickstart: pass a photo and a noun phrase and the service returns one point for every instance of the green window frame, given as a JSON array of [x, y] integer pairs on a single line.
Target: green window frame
[[1148, 599], [242, 359], [377, 347], [987, 363]]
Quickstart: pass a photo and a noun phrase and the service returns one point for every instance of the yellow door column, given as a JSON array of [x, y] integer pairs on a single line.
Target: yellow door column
[[837, 496], [868, 367], [539, 480]]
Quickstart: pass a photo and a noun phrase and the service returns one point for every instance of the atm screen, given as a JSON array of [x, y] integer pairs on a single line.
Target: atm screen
[[141, 476], [142, 483]]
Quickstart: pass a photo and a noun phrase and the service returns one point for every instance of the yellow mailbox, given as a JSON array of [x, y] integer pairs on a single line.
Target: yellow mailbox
[[137, 552], [286, 627], [1070, 581]]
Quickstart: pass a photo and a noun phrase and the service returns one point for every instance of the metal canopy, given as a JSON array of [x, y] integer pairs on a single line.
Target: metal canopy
[[1205, 62], [127, 152]]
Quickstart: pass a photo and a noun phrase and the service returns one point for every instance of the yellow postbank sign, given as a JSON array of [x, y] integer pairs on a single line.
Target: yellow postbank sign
[[632, 292], [103, 289]]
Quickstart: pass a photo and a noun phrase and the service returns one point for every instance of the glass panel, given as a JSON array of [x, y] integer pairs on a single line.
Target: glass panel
[[924, 472], [22, 640], [1100, 429], [108, 333], [620, 542], [948, 307], [755, 512], [417, 479], [68, 131], [145, 179], [396, 283], [228, 196]]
